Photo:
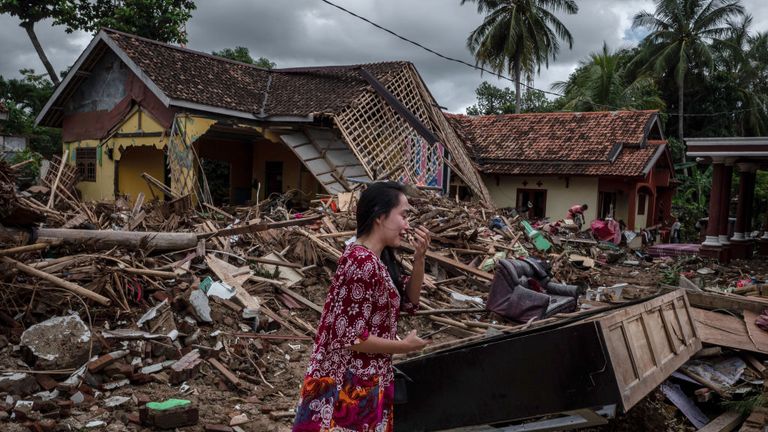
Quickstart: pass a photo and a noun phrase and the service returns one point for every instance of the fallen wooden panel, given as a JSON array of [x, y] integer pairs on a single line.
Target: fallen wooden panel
[[725, 423], [648, 342], [711, 301], [613, 358], [729, 331]]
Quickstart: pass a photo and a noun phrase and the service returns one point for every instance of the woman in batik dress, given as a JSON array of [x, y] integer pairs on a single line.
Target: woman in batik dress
[[349, 385]]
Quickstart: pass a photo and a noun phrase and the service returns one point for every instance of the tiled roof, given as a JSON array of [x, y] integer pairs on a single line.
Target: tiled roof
[[560, 143], [208, 80]]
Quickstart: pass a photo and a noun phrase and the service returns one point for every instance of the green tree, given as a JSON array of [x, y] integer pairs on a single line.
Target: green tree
[[30, 12], [681, 32], [742, 61], [161, 20], [24, 99], [494, 100], [242, 54], [600, 83], [518, 36]]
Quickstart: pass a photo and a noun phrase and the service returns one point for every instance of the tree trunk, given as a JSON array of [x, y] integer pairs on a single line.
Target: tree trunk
[[30, 28], [518, 96]]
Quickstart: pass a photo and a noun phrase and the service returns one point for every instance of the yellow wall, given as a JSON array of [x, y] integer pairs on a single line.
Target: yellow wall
[[264, 151], [129, 178], [580, 190], [134, 162]]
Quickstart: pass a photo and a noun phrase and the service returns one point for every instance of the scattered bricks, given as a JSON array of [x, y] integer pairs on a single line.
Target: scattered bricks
[[170, 414], [112, 385], [46, 382], [217, 428], [105, 360], [18, 384], [185, 368], [44, 425], [141, 379], [134, 418], [160, 296], [118, 370]]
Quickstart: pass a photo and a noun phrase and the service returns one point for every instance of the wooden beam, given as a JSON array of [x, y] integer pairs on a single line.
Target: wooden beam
[[452, 263], [301, 299], [256, 227], [725, 423], [712, 301]]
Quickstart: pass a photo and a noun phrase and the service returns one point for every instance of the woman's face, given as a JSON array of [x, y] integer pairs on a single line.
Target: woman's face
[[393, 226]]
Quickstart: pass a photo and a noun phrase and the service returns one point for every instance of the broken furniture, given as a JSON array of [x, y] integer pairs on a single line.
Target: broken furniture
[[611, 358], [523, 289]]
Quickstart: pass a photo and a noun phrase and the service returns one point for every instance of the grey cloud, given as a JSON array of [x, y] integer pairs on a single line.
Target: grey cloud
[[310, 32]]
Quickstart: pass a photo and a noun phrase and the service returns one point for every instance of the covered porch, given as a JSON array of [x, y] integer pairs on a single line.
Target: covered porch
[[743, 156]]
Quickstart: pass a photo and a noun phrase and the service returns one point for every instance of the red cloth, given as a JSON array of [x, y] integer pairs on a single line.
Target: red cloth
[[362, 301]]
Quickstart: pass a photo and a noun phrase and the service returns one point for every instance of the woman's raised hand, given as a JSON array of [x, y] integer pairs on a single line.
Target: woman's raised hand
[[421, 237]]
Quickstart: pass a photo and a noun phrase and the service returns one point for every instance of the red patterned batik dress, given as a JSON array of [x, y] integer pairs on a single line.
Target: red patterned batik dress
[[346, 390]]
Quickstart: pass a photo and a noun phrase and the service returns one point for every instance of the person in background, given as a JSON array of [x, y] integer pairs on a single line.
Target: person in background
[[349, 384], [576, 214], [674, 236]]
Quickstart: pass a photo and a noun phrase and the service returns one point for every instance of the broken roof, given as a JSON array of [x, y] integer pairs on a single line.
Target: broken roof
[[196, 80], [618, 143]]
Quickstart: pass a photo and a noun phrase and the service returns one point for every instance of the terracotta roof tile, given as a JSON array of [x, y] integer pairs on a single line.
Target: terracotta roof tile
[[205, 79], [559, 143]]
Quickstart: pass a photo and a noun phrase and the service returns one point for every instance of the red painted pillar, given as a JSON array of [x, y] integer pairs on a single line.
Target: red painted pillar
[[742, 246], [725, 205], [715, 204]]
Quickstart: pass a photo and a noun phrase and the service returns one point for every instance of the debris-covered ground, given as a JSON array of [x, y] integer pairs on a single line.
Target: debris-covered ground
[[207, 321]]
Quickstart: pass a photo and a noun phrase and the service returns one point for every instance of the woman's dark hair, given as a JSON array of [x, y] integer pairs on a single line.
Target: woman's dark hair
[[378, 200]]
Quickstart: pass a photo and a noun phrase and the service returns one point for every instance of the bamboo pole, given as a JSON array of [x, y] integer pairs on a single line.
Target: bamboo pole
[[69, 286], [58, 177]]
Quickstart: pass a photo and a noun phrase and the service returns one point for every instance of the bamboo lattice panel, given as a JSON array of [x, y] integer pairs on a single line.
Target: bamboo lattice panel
[[384, 141], [183, 164]]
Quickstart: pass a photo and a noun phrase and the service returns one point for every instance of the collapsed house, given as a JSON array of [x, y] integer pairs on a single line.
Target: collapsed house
[[617, 163], [135, 112]]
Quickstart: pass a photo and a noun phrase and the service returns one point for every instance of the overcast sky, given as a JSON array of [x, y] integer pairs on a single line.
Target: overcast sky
[[312, 33]]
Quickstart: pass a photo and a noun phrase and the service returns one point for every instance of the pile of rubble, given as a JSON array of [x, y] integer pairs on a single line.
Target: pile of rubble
[[171, 313]]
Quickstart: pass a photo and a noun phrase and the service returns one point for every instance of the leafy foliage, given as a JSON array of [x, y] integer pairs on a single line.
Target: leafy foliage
[[602, 83], [518, 36], [161, 20], [24, 99], [242, 54], [495, 100]]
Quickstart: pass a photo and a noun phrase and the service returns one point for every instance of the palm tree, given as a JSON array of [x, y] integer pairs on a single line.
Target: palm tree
[[681, 36], [600, 83], [518, 36], [743, 58]]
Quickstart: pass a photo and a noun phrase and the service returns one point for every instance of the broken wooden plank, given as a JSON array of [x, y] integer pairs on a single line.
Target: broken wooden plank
[[256, 227], [226, 372], [727, 422], [452, 263], [301, 299], [712, 301], [69, 286], [725, 330]]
